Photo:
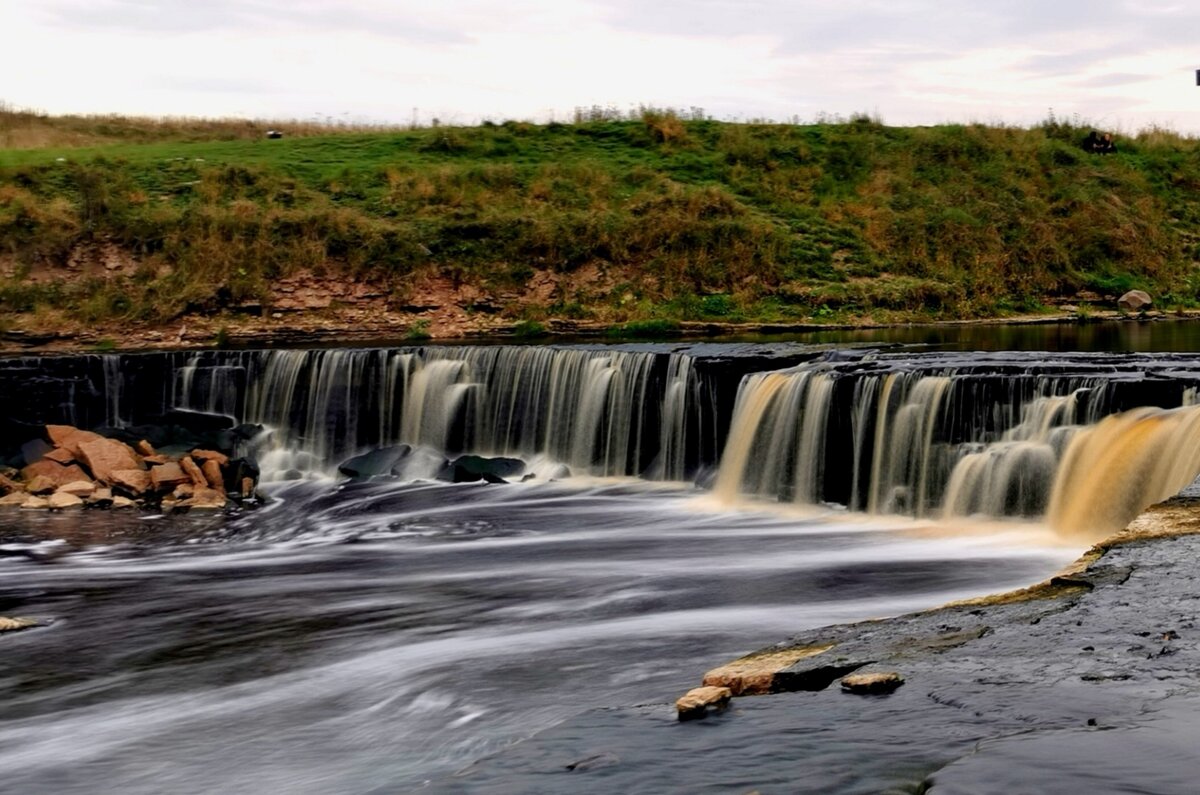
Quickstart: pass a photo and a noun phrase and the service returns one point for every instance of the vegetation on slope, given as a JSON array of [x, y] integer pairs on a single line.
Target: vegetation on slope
[[682, 219]]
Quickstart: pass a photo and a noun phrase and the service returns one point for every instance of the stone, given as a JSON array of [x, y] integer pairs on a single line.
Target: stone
[[14, 624], [381, 461], [7, 484], [205, 499], [247, 488], [70, 437], [199, 422], [872, 683], [166, 477], [100, 498], [133, 481], [60, 475], [755, 674], [156, 459], [14, 500], [105, 456], [40, 485], [34, 503], [143, 448], [60, 500], [212, 473], [210, 455], [34, 449], [470, 468], [191, 469], [61, 455], [695, 703], [80, 488], [119, 502], [1135, 301], [183, 491]]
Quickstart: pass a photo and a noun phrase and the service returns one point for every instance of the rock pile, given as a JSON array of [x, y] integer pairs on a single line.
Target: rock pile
[[72, 468]]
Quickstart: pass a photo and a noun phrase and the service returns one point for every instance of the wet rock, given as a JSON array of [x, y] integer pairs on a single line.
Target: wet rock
[[183, 491], [80, 488], [40, 485], [100, 498], [119, 502], [1135, 301], [872, 683], [204, 499], [199, 422], [35, 450], [755, 674], [61, 500], [134, 481], [381, 461], [14, 500], [60, 475], [33, 503], [240, 469], [7, 484], [143, 447], [104, 456], [695, 703], [156, 459], [165, 477], [192, 470], [247, 489]]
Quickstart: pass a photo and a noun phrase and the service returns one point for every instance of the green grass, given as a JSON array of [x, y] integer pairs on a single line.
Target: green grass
[[706, 220]]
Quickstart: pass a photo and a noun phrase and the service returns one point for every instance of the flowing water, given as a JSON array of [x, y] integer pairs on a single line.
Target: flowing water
[[684, 505]]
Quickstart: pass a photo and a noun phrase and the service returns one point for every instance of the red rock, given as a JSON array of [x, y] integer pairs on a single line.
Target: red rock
[[211, 455], [7, 484], [133, 481], [80, 488], [205, 500], [193, 471], [105, 456], [61, 500], [60, 454], [156, 459], [166, 477], [212, 473], [69, 437], [61, 475], [247, 487], [144, 448], [40, 484]]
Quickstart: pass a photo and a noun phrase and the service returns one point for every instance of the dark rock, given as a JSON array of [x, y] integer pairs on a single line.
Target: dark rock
[[382, 461], [34, 449], [471, 468], [200, 422]]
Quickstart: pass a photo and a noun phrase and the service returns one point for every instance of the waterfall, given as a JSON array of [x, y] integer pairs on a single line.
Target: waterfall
[[947, 437]]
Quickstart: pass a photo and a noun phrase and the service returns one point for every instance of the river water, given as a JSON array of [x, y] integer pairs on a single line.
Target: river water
[[380, 635]]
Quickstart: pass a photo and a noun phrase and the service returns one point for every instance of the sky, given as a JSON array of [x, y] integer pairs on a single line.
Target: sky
[[1115, 65]]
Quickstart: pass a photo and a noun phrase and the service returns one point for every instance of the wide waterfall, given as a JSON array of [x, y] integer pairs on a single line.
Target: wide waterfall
[[943, 437]]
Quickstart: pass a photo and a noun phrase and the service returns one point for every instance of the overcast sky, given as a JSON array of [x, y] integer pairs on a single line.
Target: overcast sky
[[1120, 65]]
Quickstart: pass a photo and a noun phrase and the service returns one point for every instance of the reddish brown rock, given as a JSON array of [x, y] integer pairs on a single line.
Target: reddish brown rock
[[166, 477], [69, 437], [247, 487], [61, 455], [119, 502], [212, 473], [157, 459], [205, 499], [183, 491], [14, 500], [101, 497], [61, 475], [211, 455], [696, 702], [144, 448], [7, 484], [80, 488], [60, 500], [133, 481], [105, 456], [40, 485], [193, 471]]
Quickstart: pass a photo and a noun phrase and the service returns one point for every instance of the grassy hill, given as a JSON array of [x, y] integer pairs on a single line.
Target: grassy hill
[[653, 220]]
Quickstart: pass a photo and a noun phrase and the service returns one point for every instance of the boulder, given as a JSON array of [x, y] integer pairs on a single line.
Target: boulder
[[192, 470], [374, 463], [119, 502], [210, 455], [105, 456], [247, 488], [40, 485], [80, 488], [133, 481], [14, 500], [199, 422], [100, 498], [212, 473], [34, 503], [695, 703], [1135, 301], [165, 477], [60, 475], [60, 455], [70, 437], [34, 450], [157, 458], [205, 499], [7, 484], [183, 491], [143, 448], [872, 683], [59, 501]]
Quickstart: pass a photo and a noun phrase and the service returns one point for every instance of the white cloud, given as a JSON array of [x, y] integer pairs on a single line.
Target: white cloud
[[912, 61]]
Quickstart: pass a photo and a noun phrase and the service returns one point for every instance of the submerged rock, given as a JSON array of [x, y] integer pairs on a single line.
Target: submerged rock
[[872, 683], [471, 468], [381, 461], [17, 624]]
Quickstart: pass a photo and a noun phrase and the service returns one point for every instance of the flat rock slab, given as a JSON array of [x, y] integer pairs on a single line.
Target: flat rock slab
[[872, 683]]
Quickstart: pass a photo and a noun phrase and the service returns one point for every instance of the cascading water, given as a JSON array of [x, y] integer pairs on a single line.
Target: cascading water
[[931, 437]]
